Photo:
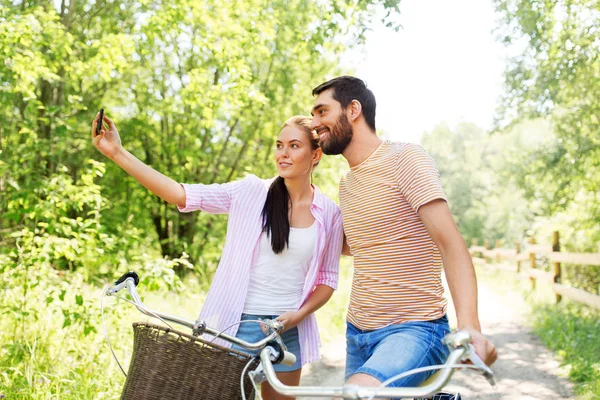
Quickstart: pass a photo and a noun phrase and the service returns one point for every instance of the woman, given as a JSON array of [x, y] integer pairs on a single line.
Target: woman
[[283, 244]]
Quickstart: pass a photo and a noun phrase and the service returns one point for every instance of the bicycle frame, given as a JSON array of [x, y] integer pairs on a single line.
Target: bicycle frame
[[271, 352], [458, 340]]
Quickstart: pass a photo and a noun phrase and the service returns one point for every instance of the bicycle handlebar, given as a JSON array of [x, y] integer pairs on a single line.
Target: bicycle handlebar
[[459, 343], [460, 348], [129, 282]]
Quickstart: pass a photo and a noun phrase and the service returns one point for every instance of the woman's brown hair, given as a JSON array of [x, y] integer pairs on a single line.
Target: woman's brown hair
[[275, 212]]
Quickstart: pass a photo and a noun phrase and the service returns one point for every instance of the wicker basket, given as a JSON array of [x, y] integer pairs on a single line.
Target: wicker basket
[[167, 364]]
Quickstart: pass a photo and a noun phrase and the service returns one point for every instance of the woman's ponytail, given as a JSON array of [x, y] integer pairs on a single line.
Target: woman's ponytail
[[276, 223]]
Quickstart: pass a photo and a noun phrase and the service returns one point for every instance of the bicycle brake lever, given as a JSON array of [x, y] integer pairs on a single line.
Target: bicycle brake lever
[[275, 326], [487, 373]]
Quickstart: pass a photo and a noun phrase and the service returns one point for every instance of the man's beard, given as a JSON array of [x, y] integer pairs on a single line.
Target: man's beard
[[339, 137]]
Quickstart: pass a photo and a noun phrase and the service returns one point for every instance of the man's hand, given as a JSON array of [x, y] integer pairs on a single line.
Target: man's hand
[[483, 347]]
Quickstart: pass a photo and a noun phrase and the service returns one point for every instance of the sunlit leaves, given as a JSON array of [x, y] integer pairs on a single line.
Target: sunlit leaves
[[557, 74], [198, 90]]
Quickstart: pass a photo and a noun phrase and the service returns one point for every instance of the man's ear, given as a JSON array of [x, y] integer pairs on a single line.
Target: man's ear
[[354, 110]]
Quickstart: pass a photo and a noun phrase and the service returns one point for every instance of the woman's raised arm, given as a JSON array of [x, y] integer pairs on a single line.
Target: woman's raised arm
[[108, 142]]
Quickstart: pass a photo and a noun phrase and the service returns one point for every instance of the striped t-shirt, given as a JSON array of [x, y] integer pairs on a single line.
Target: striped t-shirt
[[397, 266]]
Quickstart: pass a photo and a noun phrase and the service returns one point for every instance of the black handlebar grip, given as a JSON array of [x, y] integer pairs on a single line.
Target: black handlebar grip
[[278, 349], [130, 274]]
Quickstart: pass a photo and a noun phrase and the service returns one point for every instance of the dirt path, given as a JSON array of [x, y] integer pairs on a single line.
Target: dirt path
[[525, 368]]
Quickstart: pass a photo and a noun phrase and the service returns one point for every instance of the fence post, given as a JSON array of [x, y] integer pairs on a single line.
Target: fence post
[[497, 253], [518, 253], [532, 263], [556, 265]]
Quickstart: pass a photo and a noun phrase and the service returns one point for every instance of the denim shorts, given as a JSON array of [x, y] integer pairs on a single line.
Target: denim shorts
[[252, 332], [389, 351]]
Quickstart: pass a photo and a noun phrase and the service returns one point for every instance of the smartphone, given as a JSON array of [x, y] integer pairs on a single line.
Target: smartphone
[[100, 123]]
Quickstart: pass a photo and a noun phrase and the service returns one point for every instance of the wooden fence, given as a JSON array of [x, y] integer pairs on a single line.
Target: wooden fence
[[525, 262]]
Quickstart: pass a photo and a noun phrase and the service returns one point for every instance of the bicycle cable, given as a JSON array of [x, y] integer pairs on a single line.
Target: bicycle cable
[[418, 370], [232, 325], [104, 324], [251, 380], [153, 314], [105, 332], [249, 362]]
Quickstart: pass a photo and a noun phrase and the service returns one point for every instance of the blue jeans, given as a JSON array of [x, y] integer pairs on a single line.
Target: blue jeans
[[389, 351], [251, 332]]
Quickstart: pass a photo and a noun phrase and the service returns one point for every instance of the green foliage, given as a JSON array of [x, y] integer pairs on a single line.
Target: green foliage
[[557, 74], [49, 336], [59, 219], [570, 330], [574, 333], [482, 196], [494, 193], [52, 340], [199, 91]]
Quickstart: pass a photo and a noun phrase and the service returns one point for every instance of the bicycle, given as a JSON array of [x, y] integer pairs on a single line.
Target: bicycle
[[168, 364]]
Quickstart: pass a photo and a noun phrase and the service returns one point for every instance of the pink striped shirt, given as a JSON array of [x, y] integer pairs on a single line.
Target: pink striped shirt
[[244, 200]]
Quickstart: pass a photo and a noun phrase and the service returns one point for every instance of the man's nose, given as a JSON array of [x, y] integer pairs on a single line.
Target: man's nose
[[314, 124]]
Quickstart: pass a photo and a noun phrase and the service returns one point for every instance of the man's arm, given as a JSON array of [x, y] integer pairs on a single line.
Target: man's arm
[[346, 248], [460, 272]]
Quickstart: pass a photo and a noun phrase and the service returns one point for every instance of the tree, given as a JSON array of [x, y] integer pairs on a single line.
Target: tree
[[475, 171], [557, 74], [199, 90]]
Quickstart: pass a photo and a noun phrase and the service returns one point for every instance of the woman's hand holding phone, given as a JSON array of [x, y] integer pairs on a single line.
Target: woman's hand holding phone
[[109, 144], [108, 141]]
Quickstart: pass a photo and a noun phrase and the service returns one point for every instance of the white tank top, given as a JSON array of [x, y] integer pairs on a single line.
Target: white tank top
[[277, 280]]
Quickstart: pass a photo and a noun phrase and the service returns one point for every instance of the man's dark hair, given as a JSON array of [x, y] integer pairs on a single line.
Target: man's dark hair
[[348, 88]]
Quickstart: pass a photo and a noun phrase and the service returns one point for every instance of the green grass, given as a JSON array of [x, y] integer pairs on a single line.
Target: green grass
[[573, 332], [52, 344], [51, 338], [569, 329]]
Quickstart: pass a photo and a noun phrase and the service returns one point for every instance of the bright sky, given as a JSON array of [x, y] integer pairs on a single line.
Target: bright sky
[[443, 65]]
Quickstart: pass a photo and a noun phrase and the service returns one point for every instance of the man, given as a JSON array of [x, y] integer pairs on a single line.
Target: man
[[400, 231]]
